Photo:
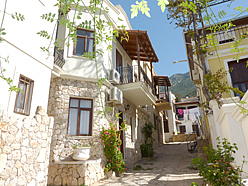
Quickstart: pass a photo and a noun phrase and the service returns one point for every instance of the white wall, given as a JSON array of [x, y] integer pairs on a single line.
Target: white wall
[[83, 67], [171, 118], [22, 46], [228, 122]]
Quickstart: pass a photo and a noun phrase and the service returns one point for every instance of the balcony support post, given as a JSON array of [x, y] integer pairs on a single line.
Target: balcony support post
[[138, 52], [152, 78]]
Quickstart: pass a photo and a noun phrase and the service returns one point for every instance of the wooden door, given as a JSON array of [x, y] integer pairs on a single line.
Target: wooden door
[[196, 129], [182, 129], [119, 67], [239, 74]]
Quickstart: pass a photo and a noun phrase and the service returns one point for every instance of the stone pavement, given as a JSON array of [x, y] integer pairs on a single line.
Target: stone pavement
[[170, 166]]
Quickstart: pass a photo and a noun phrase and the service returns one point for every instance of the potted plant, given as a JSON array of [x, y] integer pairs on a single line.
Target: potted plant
[[82, 149]]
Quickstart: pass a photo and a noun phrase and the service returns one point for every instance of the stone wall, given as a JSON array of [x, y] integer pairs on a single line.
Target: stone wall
[[184, 137], [25, 147], [158, 132], [77, 173], [58, 106], [132, 148]]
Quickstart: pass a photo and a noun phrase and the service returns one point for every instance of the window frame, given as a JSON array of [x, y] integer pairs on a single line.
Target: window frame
[[28, 94], [78, 116], [85, 41]]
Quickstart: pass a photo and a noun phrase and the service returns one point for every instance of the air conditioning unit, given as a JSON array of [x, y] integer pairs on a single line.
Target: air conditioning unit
[[116, 95], [114, 77], [195, 75]]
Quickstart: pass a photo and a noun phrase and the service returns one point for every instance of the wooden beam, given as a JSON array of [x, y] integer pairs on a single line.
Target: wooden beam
[[152, 75], [138, 50]]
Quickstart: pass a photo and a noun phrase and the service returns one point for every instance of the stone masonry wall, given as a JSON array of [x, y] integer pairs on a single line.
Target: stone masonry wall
[[86, 173], [25, 148], [58, 106], [61, 148], [132, 148]]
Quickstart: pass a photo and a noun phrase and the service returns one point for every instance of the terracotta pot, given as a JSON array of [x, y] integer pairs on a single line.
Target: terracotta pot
[[81, 153]]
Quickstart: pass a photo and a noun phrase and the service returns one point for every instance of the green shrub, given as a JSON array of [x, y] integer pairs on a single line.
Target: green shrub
[[146, 150], [218, 170], [112, 142]]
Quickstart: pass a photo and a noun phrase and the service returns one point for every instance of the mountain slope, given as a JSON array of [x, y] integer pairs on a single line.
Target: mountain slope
[[182, 85]]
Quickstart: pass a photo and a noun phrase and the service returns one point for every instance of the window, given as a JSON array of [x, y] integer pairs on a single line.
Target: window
[[139, 130], [85, 42], [182, 129], [196, 129], [24, 97], [132, 123], [239, 74], [80, 117]]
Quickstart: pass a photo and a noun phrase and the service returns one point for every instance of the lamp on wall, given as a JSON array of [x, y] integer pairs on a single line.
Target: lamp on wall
[[128, 106]]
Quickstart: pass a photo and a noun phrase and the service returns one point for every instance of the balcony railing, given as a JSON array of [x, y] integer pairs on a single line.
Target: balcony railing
[[163, 96], [232, 34], [59, 57], [130, 75]]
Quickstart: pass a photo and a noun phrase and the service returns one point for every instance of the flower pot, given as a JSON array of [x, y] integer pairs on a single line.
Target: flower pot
[[81, 153]]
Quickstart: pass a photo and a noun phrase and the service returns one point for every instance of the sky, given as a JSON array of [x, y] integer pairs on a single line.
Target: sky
[[167, 40]]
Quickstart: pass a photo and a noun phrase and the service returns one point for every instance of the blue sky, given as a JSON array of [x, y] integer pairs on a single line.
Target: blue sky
[[167, 40]]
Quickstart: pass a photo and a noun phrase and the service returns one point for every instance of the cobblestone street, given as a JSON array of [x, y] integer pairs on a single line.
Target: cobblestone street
[[170, 166]]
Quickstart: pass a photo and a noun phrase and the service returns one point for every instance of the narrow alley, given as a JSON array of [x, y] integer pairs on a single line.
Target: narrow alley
[[170, 166]]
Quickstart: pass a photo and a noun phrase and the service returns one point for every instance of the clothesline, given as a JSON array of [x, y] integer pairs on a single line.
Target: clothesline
[[189, 114]]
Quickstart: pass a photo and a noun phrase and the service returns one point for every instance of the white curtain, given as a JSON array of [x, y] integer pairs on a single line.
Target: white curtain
[[74, 103], [84, 122], [85, 103], [72, 129]]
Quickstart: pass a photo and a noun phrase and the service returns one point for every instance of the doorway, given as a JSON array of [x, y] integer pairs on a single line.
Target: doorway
[[119, 65], [122, 134]]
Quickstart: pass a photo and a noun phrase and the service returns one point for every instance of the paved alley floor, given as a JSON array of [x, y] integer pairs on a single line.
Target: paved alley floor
[[170, 166]]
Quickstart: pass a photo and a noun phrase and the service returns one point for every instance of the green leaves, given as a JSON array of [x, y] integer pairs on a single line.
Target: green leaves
[[111, 139], [190, 6], [2, 32], [217, 169], [140, 6], [162, 4], [44, 34], [7, 80], [49, 17], [18, 16]]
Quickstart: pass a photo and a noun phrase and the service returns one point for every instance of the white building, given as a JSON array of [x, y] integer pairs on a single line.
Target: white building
[[59, 82]]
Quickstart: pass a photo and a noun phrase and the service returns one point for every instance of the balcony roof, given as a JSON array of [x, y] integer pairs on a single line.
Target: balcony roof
[[147, 52], [187, 103], [162, 80]]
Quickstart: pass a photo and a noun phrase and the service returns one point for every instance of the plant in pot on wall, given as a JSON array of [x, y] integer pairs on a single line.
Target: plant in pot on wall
[[82, 150]]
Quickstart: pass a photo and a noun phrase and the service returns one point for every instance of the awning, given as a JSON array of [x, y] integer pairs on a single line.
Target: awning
[[161, 80], [138, 38]]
